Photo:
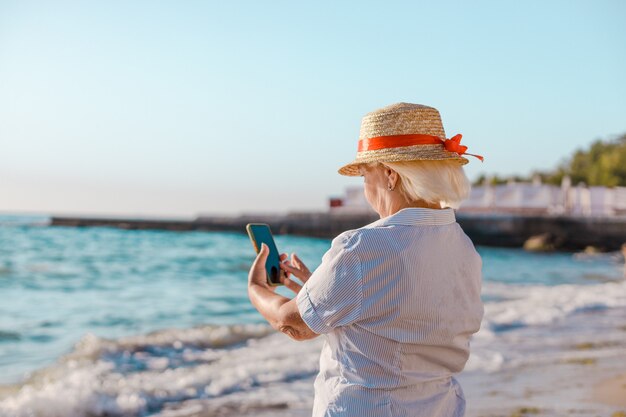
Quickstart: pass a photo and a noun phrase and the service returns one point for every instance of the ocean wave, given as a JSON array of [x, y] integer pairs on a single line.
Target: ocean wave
[[167, 370], [252, 370], [516, 306], [529, 325]]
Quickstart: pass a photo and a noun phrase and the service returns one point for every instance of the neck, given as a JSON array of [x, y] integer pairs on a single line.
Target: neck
[[395, 206]]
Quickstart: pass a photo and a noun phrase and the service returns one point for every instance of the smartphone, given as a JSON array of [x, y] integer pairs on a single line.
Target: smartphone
[[261, 233]]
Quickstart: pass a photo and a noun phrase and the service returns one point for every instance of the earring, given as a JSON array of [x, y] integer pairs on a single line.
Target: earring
[[389, 187]]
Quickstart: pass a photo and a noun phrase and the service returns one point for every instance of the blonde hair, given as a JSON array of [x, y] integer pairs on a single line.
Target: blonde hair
[[440, 182]]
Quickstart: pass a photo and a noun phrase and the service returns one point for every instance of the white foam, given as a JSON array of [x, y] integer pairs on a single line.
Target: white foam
[[528, 324], [484, 359], [249, 367], [88, 382], [536, 304]]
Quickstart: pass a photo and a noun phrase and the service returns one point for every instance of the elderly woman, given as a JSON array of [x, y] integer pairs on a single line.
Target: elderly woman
[[398, 299]]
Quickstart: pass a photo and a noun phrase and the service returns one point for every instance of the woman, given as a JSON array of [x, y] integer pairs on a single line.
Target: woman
[[397, 299]]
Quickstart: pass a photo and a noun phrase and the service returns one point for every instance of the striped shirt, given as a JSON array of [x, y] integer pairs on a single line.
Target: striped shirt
[[397, 301]]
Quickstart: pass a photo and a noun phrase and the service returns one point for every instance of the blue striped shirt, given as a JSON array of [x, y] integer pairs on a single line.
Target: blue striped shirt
[[397, 301]]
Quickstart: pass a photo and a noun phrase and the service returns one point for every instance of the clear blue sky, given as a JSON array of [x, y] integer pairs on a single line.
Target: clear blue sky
[[178, 108]]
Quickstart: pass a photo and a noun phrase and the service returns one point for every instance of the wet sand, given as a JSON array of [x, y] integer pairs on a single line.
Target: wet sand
[[611, 391], [577, 387], [577, 377]]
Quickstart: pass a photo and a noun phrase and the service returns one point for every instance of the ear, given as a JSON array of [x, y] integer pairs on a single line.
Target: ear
[[392, 176]]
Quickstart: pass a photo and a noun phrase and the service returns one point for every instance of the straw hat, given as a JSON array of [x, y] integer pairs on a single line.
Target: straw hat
[[404, 132]]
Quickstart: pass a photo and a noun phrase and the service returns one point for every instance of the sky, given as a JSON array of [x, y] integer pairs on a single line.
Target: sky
[[176, 109]]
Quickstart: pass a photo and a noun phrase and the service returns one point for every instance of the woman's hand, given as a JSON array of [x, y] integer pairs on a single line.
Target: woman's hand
[[281, 312], [296, 268]]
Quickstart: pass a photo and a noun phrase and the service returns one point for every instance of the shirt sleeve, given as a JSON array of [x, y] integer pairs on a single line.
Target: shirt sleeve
[[333, 294]]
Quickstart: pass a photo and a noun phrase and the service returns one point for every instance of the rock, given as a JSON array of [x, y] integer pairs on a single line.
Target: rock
[[541, 243], [592, 250]]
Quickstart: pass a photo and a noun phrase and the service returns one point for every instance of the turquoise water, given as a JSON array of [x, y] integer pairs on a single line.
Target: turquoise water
[[58, 283]]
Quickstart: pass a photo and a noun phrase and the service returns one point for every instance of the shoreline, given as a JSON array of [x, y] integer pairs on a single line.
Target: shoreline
[[574, 367], [567, 368], [553, 330], [580, 387]]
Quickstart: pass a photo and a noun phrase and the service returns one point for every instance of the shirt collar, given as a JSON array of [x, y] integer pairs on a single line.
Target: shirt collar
[[415, 216]]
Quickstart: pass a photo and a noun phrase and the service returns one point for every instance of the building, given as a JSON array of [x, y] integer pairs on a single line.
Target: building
[[521, 198]]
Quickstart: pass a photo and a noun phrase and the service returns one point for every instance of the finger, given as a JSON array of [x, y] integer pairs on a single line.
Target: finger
[[292, 285], [295, 271], [284, 270], [284, 258], [261, 258], [295, 259], [257, 274]]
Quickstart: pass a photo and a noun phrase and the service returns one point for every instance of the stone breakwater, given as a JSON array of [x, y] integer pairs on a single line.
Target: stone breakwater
[[554, 232]]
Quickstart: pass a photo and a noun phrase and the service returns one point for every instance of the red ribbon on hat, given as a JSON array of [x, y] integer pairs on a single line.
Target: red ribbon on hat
[[396, 141], [454, 145]]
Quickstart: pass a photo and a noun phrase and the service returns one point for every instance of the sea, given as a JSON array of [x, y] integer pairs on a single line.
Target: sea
[[100, 321]]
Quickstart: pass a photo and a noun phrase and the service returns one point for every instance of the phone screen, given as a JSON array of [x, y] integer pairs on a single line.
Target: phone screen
[[261, 233]]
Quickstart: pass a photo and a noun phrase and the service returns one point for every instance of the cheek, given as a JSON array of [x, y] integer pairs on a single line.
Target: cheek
[[370, 192], [366, 191]]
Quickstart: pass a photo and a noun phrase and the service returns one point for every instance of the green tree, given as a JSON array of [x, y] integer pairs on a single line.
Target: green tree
[[603, 163]]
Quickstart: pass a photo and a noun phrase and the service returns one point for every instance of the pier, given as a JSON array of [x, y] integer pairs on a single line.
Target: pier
[[506, 230]]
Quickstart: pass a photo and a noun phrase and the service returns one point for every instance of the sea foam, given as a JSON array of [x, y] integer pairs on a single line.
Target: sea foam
[[165, 369], [250, 369]]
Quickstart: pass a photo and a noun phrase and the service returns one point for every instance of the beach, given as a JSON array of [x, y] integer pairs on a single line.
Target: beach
[[140, 139], [571, 377], [109, 322], [611, 391], [252, 370]]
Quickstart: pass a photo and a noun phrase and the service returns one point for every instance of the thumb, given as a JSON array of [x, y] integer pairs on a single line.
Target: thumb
[[261, 258]]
